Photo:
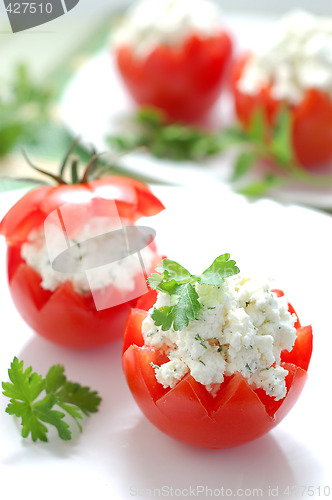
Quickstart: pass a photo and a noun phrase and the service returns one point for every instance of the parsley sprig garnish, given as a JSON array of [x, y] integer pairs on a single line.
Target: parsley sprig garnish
[[149, 129], [176, 281], [252, 145], [25, 390], [255, 145]]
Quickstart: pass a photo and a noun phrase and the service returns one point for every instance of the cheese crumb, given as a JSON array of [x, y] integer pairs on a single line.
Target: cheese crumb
[[299, 59], [151, 23], [242, 327], [121, 274]]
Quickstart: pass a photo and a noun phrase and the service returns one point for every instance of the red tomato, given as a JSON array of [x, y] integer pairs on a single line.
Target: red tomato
[[312, 118], [184, 81], [237, 414], [65, 316]]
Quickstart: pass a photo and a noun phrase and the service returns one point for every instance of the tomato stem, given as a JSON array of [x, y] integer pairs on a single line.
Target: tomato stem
[[74, 164], [74, 170], [67, 155], [90, 166], [57, 178]]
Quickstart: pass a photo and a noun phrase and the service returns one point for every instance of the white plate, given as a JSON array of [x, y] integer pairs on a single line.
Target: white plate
[[95, 102], [120, 455]]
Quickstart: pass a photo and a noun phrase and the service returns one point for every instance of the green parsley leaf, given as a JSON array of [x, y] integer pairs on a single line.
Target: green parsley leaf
[[150, 116], [155, 280], [255, 146], [176, 141], [281, 143], [55, 378], [82, 397], [26, 386], [187, 306], [257, 126], [243, 164], [172, 276], [174, 270], [42, 410], [220, 269], [179, 283], [261, 186], [163, 317]]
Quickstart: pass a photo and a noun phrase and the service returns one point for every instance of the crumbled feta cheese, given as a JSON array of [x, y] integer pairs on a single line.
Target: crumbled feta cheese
[[170, 373], [121, 274], [299, 59], [242, 327], [151, 23]]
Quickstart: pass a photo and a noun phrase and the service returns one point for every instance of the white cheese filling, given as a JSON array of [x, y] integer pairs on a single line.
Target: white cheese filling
[[121, 274], [242, 327], [151, 23], [299, 59]]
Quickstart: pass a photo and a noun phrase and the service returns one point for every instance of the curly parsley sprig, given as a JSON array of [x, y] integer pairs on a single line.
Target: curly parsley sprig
[[25, 390], [176, 281]]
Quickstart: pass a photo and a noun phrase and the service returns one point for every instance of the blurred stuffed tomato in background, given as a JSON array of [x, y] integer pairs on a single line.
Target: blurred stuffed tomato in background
[[87, 306], [293, 71], [173, 55]]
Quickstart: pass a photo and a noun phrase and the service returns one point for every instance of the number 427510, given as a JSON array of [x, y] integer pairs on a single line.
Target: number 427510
[[29, 8]]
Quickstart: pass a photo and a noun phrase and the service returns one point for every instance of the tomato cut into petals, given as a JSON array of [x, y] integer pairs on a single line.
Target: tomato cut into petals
[[236, 414], [66, 315]]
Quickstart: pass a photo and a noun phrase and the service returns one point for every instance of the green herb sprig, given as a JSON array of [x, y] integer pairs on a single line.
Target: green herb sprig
[[24, 109], [25, 390], [149, 129], [176, 281], [252, 145]]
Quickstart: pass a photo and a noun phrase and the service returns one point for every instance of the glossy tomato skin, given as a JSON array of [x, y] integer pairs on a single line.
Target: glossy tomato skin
[[65, 316], [312, 117], [183, 81], [188, 413]]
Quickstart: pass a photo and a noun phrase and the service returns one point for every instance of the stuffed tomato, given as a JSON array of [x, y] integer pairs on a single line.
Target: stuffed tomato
[[173, 56], [294, 72], [85, 301], [218, 359]]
